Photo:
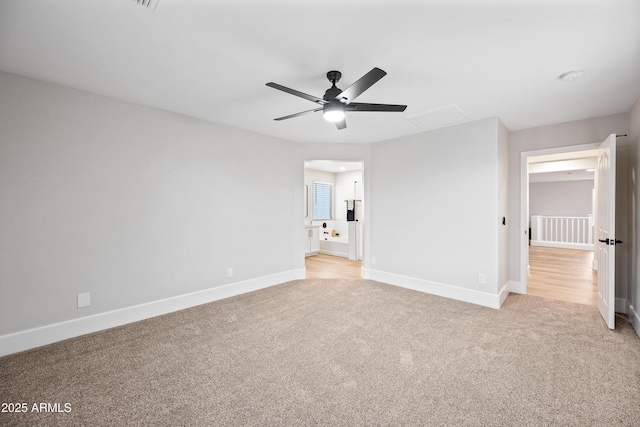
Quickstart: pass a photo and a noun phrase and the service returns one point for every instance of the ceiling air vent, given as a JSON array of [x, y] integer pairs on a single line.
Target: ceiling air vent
[[438, 118], [148, 5]]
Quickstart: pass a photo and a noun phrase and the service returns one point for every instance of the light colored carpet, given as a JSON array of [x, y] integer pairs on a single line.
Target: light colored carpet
[[339, 353]]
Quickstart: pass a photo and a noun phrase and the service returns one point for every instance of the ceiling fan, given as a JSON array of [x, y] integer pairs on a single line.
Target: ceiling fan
[[336, 101]]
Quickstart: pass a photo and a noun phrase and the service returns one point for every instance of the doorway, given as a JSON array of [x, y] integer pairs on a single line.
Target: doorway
[[335, 216], [557, 250]]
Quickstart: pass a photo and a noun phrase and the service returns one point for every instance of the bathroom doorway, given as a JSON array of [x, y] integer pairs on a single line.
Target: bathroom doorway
[[334, 215]]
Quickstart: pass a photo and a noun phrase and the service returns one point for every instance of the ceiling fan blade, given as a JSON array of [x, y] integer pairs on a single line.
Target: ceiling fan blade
[[302, 113], [360, 106], [297, 93], [365, 82], [342, 124]]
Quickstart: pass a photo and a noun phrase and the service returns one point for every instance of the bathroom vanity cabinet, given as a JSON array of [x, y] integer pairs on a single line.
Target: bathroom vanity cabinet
[[312, 240]]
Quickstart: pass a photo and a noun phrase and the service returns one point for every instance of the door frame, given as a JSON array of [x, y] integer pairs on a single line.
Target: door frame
[[524, 201], [365, 202]]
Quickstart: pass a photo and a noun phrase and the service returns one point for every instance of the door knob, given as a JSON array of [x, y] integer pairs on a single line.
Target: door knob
[[610, 241]]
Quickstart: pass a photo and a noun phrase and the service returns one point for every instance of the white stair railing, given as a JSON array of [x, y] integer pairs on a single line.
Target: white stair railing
[[562, 231]]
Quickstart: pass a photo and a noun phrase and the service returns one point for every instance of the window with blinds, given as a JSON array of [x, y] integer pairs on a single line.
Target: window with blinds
[[322, 200]]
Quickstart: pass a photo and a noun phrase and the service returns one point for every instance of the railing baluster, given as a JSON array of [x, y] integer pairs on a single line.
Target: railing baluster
[[563, 231]]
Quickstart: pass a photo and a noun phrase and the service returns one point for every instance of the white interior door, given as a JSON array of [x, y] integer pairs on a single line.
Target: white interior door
[[606, 228]]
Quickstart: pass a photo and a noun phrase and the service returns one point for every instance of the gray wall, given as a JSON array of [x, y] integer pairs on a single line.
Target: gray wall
[[561, 198], [130, 204], [435, 208]]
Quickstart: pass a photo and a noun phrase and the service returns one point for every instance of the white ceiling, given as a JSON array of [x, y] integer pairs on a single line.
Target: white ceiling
[[211, 59], [333, 166], [569, 175], [566, 166]]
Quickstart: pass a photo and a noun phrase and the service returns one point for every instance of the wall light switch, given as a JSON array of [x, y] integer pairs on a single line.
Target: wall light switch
[[84, 300]]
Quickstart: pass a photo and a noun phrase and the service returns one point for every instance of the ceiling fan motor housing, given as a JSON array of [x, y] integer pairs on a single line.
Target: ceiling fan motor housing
[[333, 110], [332, 93]]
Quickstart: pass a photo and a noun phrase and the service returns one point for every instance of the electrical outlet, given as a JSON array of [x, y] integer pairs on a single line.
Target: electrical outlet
[[482, 279], [84, 300], [373, 260], [230, 272]]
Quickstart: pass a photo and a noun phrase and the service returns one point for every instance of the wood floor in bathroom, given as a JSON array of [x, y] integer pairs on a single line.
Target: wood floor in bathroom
[[323, 266]]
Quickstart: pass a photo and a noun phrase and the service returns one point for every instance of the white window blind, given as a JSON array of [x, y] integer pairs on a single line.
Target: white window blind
[[321, 200]]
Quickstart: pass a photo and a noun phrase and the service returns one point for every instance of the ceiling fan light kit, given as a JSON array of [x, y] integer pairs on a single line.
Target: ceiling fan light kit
[[333, 111], [336, 101]]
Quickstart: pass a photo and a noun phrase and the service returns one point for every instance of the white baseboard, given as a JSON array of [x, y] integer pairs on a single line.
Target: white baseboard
[[563, 245], [441, 289], [621, 305], [634, 317], [36, 337], [333, 253], [517, 287]]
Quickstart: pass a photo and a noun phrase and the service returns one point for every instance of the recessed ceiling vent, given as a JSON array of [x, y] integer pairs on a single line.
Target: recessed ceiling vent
[[438, 118], [148, 5]]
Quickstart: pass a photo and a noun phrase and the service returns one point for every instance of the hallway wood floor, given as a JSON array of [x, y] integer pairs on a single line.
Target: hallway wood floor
[[562, 274], [323, 266]]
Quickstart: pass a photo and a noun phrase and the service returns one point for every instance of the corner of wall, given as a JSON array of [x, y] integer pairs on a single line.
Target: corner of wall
[[634, 317], [516, 287]]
